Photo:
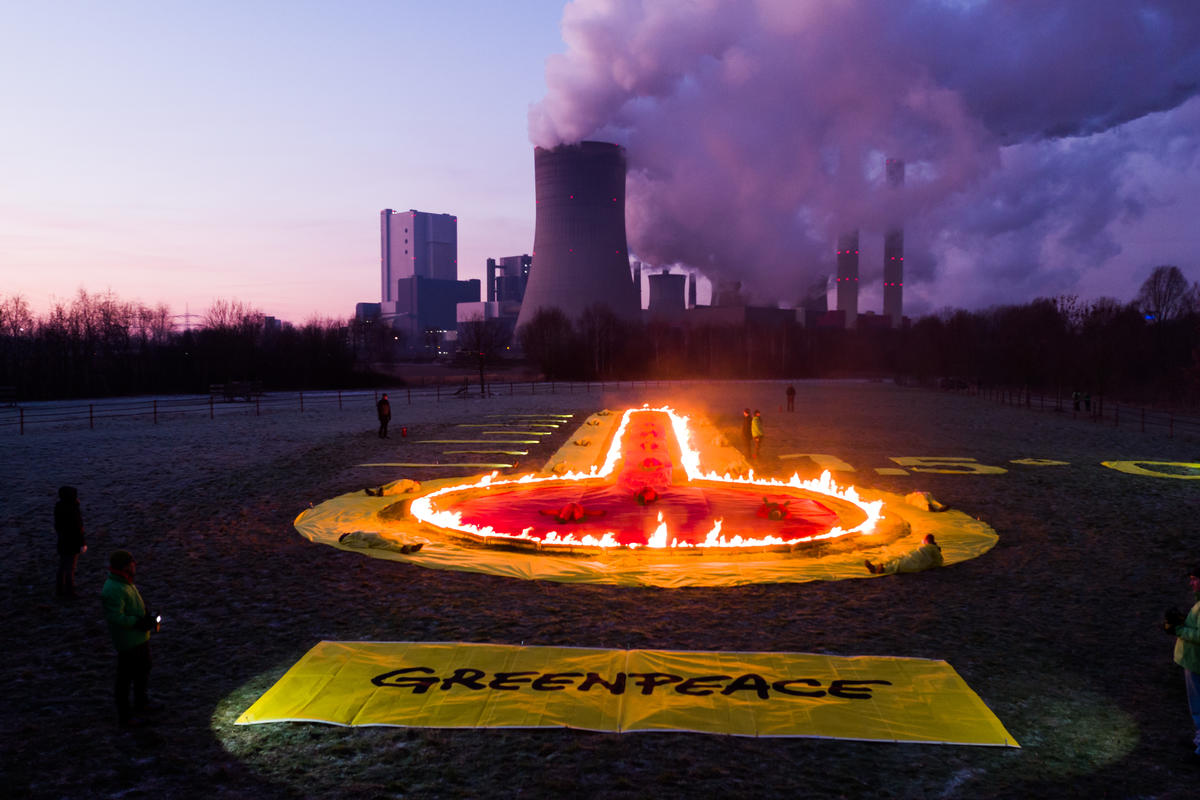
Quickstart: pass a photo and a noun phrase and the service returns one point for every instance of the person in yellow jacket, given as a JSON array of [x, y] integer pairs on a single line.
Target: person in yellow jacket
[[1186, 630], [756, 433], [927, 556]]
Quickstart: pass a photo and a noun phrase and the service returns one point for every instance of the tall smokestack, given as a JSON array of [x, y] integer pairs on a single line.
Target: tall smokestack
[[580, 256], [847, 276], [893, 254]]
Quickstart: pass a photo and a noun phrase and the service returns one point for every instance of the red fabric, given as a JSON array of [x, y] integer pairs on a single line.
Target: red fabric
[[688, 511], [646, 467]]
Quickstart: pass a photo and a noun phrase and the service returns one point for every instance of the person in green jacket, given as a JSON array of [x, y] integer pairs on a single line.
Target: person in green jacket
[[130, 624], [927, 556], [1186, 630]]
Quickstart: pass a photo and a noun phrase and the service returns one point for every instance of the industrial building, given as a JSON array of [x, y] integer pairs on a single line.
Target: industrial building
[[419, 285], [507, 278]]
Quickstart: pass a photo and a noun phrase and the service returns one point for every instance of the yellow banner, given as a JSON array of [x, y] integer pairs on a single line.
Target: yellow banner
[[745, 694]]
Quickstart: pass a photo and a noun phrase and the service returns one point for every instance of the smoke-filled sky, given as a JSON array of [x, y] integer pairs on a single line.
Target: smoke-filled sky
[[183, 152], [1051, 146]]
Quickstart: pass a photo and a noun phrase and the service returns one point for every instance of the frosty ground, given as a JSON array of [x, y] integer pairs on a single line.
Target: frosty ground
[[1056, 628]]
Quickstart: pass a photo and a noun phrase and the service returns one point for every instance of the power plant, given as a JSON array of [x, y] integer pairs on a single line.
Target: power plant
[[893, 265], [580, 256], [581, 260], [893, 255], [847, 277]]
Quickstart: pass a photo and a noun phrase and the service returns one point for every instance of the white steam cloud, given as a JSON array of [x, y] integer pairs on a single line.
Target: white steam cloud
[[757, 130]]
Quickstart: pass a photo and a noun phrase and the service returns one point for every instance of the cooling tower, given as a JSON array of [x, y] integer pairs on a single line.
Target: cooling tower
[[580, 257]]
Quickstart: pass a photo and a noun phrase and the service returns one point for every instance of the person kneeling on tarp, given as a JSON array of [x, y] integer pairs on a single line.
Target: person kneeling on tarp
[[928, 555]]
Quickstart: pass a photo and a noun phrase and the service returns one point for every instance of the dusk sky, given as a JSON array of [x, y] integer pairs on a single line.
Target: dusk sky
[[183, 152]]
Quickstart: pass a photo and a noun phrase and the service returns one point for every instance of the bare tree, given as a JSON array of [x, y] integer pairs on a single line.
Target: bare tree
[[1165, 295], [15, 317], [547, 339], [483, 341], [232, 315]]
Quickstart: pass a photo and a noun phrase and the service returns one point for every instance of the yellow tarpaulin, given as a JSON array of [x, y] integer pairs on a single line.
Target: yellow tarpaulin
[[456, 685]]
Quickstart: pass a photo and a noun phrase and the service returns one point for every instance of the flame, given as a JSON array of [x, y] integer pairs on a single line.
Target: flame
[[424, 508]]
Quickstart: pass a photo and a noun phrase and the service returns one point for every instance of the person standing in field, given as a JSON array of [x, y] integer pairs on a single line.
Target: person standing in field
[[130, 624], [68, 525], [791, 398], [756, 432], [747, 433], [1186, 630], [384, 410]]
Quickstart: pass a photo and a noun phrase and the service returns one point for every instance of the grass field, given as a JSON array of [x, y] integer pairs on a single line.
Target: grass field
[[1056, 628]]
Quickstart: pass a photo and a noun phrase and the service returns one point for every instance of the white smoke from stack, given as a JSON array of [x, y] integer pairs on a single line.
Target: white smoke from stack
[[756, 130]]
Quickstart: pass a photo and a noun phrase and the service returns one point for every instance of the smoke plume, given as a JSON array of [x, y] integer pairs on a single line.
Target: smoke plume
[[757, 130]]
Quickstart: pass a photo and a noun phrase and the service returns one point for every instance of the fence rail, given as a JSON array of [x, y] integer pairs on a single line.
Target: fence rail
[[1097, 410], [154, 409]]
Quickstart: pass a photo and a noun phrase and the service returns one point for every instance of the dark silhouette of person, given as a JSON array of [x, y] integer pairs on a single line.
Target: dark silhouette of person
[[747, 435], [791, 398], [130, 623], [384, 409], [68, 524]]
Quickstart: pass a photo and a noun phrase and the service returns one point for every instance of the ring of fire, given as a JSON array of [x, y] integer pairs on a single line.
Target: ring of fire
[[637, 499], [627, 502]]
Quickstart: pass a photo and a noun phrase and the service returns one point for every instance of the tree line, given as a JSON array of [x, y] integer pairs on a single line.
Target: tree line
[[97, 345], [1143, 350]]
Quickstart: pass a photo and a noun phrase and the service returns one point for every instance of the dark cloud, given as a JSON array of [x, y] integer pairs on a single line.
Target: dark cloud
[[757, 130]]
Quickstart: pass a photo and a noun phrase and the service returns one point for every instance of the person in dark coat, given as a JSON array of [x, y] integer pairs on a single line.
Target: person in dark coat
[[68, 524], [747, 436], [384, 409], [791, 398]]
